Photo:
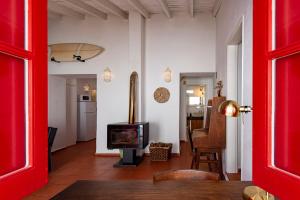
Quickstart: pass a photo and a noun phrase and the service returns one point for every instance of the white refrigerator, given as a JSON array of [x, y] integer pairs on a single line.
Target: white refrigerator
[[86, 120]]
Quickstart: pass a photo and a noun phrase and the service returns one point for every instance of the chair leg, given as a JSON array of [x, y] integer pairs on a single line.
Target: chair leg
[[208, 157], [193, 161], [194, 153], [220, 165], [197, 161], [49, 161], [214, 157]]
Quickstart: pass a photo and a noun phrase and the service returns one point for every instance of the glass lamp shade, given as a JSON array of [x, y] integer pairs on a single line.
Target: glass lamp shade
[[168, 75], [107, 75], [231, 108]]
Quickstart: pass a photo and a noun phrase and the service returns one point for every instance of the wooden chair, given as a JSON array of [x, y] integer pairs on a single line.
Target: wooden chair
[[212, 141], [205, 129], [185, 175]]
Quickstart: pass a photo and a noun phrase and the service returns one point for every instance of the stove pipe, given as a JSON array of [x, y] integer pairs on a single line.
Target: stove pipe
[[132, 98]]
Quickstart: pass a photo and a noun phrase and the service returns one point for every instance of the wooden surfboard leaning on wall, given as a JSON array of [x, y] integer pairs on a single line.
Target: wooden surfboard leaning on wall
[[70, 52]]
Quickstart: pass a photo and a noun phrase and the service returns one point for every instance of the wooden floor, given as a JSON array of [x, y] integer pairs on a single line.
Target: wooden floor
[[80, 163]]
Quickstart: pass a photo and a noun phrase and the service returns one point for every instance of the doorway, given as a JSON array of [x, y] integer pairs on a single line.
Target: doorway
[[195, 91], [72, 109]]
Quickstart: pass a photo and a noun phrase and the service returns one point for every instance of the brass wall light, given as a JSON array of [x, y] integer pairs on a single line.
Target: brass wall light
[[107, 75], [231, 108]]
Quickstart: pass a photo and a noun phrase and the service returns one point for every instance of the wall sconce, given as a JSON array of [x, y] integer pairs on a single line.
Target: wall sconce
[[233, 109], [168, 75], [107, 75]]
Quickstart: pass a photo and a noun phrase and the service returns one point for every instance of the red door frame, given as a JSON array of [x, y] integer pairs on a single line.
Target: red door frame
[[276, 181], [22, 182]]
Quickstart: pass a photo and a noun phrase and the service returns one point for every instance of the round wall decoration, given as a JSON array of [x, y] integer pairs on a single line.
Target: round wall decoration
[[161, 95]]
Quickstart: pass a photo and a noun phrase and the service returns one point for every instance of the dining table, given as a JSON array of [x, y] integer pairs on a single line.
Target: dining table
[[146, 189]]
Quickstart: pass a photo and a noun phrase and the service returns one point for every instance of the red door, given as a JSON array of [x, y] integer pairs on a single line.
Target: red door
[[23, 100], [276, 117]]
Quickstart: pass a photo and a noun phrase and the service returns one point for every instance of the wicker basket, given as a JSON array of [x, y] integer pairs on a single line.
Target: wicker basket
[[160, 151]]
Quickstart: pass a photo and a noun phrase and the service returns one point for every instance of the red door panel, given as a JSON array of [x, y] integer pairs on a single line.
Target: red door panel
[[287, 114], [287, 22], [276, 83], [23, 102], [12, 117], [12, 22]]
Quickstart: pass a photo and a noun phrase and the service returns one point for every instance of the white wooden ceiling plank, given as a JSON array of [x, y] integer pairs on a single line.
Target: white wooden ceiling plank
[[145, 7], [164, 6], [92, 10], [54, 15], [139, 7], [191, 7], [53, 6], [217, 7], [114, 9]]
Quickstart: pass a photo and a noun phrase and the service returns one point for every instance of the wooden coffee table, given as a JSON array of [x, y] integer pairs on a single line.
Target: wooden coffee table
[[167, 190]]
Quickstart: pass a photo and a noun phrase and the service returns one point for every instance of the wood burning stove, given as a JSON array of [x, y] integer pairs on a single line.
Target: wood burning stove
[[129, 137], [124, 135]]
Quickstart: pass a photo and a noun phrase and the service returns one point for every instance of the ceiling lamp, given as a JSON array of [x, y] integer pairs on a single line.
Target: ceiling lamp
[[86, 87]]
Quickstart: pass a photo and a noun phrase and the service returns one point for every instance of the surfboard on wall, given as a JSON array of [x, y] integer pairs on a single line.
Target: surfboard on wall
[[70, 52]]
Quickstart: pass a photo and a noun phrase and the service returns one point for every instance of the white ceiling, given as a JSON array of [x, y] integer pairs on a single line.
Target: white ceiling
[[100, 8]]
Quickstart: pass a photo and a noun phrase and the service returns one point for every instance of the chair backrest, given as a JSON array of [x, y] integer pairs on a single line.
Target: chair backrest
[[206, 127], [217, 126], [216, 135], [51, 135], [208, 114], [185, 175]]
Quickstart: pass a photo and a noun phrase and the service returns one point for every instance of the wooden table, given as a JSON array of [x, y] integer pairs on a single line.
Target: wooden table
[[168, 190]]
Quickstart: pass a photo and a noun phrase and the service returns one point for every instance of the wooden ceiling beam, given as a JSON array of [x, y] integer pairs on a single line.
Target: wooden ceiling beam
[[63, 10], [139, 7], [112, 8], [90, 9], [54, 15], [217, 7], [164, 6], [191, 7]]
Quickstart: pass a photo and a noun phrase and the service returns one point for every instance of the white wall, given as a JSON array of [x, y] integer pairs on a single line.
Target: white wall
[[57, 109], [227, 20], [112, 34], [62, 110], [182, 43]]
